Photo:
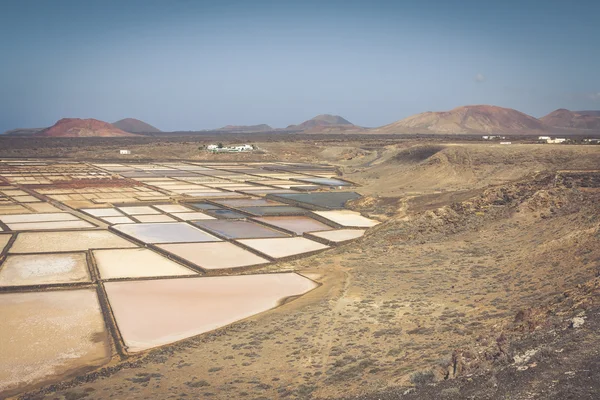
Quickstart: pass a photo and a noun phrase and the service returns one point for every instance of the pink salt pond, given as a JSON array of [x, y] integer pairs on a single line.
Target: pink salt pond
[[217, 255], [297, 225], [181, 308]]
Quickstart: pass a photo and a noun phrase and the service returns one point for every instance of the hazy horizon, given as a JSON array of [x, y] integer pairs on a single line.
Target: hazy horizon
[[193, 65]]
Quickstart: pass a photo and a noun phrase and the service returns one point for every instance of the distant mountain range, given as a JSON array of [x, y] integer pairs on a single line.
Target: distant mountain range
[[473, 119], [246, 128], [133, 125]]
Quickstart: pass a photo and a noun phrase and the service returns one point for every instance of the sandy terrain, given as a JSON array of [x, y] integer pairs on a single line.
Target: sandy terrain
[[485, 252]]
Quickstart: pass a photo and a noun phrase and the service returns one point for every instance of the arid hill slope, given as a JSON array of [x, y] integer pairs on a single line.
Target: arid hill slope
[[467, 120], [563, 118], [133, 125], [77, 127]]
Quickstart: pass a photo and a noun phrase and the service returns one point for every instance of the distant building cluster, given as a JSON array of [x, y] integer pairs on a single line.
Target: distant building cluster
[[493, 137], [219, 148], [548, 139]]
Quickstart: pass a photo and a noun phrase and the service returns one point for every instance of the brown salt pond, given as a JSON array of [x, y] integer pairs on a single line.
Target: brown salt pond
[[182, 308], [283, 247], [177, 232], [47, 242], [42, 226], [49, 336], [154, 218], [218, 255], [41, 269], [238, 229], [28, 218], [249, 203], [297, 225], [136, 263]]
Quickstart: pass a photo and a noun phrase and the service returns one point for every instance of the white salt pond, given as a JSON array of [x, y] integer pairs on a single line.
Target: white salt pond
[[339, 235], [172, 208], [47, 242], [136, 263], [154, 218], [347, 218], [40, 269], [219, 255], [283, 247], [118, 220], [178, 232], [49, 334], [181, 308]]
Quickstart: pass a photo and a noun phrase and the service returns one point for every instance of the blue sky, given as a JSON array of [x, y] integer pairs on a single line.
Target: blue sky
[[190, 65]]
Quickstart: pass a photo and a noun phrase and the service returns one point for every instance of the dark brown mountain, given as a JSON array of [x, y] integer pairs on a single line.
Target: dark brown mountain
[[326, 123], [563, 118], [133, 125]]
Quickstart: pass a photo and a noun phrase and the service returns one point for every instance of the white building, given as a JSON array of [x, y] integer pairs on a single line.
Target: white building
[[245, 147], [555, 141], [544, 138], [505, 142], [233, 149], [124, 152], [493, 137]]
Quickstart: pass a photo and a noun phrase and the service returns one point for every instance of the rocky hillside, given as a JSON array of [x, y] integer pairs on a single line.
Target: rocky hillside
[[77, 127]]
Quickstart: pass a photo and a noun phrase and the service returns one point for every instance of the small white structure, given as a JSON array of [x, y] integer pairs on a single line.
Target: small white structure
[[226, 149], [505, 142], [544, 138], [493, 137], [556, 141], [124, 152], [245, 147]]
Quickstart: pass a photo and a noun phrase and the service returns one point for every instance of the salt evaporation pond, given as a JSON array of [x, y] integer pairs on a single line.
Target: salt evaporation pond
[[216, 255], [46, 242], [136, 263], [41, 269], [49, 334], [177, 232], [182, 308]]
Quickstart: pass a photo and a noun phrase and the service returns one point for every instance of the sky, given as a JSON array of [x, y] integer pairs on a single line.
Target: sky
[[192, 65]]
